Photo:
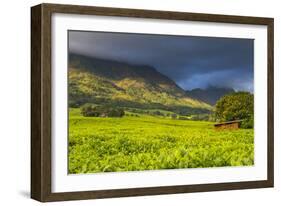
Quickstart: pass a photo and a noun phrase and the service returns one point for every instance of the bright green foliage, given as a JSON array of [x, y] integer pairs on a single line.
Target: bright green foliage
[[236, 106], [146, 142]]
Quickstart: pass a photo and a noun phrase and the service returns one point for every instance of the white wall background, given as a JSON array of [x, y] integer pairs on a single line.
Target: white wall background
[[15, 102]]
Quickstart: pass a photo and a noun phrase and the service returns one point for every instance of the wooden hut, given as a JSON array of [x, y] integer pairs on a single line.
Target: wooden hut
[[228, 125]]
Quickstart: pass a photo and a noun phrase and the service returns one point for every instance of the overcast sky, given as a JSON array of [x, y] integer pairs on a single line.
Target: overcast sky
[[192, 62]]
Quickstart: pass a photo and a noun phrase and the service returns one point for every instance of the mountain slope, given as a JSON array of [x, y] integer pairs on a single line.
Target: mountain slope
[[209, 95], [94, 80]]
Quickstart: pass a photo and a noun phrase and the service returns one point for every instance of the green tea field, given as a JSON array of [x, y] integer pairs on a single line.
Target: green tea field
[[146, 142]]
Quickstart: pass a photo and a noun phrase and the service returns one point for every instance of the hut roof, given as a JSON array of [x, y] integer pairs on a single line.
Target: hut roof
[[229, 122]]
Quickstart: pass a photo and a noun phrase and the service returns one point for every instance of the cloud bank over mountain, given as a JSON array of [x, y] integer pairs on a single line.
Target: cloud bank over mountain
[[192, 62]]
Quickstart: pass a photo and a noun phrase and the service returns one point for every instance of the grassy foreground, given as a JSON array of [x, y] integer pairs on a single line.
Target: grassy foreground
[[146, 142]]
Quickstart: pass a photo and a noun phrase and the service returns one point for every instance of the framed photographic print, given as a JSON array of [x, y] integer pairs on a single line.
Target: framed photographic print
[[132, 102]]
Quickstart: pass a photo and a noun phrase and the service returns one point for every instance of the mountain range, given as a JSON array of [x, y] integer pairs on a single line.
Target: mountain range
[[209, 95], [102, 81]]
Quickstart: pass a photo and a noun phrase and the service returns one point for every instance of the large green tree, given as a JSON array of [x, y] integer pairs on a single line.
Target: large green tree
[[236, 106]]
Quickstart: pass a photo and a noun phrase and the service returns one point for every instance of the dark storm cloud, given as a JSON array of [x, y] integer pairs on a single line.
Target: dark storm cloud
[[191, 62]]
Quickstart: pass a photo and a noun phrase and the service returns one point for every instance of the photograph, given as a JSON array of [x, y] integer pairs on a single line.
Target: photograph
[[140, 102]]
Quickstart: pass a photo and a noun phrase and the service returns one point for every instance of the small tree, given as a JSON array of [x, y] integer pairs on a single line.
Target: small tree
[[120, 112], [88, 110], [117, 112]]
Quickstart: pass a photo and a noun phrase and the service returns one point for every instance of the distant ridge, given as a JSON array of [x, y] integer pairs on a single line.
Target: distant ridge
[[96, 80], [209, 95]]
